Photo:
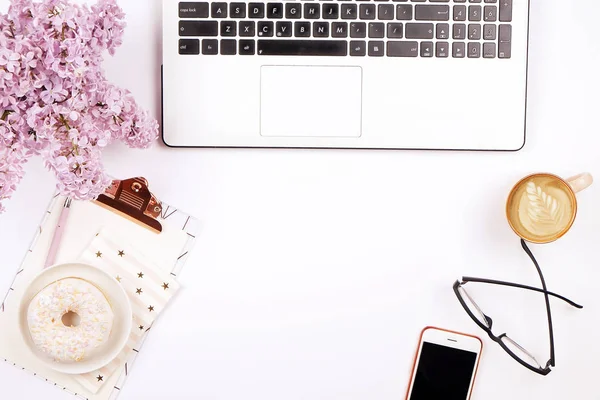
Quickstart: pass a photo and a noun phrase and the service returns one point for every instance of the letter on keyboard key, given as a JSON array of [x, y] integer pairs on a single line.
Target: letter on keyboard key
[[283, 29], [303, 48], [237, 10], [419, 31], [193, 10], [432, 13], [218, 10], [339, 29], [198, 28], [402, 49]]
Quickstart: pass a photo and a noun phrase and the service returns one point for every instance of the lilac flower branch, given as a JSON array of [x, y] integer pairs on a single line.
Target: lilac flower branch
[[55, 101]]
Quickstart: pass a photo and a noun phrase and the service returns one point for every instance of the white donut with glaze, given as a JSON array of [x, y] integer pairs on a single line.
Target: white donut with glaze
[[93, 321]]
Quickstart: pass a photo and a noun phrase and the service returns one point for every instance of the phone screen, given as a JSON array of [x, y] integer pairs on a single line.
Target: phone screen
[[443, 373]]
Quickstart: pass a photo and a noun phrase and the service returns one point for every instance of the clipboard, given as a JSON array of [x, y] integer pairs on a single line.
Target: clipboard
[[165, 234]]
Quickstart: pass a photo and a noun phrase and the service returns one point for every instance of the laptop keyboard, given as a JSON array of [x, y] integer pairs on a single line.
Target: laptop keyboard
[[361, 28]]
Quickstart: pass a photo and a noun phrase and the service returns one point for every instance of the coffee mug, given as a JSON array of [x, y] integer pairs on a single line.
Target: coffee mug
[[541, 208]]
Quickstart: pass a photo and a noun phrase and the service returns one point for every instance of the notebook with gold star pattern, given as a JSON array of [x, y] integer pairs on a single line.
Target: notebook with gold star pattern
[[140, 241]]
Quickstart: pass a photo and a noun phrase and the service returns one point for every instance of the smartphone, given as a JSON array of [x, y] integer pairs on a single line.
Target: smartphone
[[445, 365]]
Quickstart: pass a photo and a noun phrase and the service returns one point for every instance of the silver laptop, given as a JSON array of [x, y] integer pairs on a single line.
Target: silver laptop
[[403, 74]]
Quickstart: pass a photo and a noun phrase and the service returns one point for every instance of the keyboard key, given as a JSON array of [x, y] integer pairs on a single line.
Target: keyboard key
[[349, 11], [427, 49], [474, 13], [274, 10], [490, 13], [302, 29], [505, 11], [419, 31], [210, 46], [218, 10], [228, 47], [237, 10], [505, 33], [458, 50], [459, 13], [358, 48], [246, 47], [193, 10], [385, 11], [432, 13], [376, 29], [404, 12], [339, 29], [247, 28], [402, 49], [312, 11], [228, 28], [358, 30], [189, 46], [367, 11], [198, 28], [474, 32], [303, 47], [459, 31], [283, 29], [441, 49], [442, 31], [491, 1], [489, 32], [474, 1], [376, 49], [331, 11], [395, 30], [504, 49], [265, 28], [489, 50], [256, 10], [293, 11], [320, 29], [474, 50]]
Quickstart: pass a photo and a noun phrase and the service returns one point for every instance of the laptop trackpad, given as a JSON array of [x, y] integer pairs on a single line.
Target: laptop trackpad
[[311, 101]]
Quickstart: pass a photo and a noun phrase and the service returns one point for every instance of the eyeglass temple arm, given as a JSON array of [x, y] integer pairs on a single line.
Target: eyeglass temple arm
[[551, 362], [466, 279]]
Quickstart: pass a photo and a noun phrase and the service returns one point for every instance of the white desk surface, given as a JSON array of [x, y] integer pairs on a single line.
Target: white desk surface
[[315, 271]]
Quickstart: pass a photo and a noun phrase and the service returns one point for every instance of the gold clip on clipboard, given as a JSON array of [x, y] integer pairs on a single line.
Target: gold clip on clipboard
[[133, 200], [128, 209]]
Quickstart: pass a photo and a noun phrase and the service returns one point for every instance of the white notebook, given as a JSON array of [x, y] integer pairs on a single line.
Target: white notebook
[[168, 249]]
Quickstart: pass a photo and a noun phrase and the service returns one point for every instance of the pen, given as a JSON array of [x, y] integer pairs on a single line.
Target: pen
[[60, 228]]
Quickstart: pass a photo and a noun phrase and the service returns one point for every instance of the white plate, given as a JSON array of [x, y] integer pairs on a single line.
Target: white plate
[[114, 293]]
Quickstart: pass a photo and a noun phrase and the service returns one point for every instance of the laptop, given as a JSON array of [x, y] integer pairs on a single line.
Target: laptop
[[403, 74]]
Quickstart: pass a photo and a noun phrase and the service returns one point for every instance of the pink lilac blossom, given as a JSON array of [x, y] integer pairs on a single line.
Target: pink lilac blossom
[[55, 101]]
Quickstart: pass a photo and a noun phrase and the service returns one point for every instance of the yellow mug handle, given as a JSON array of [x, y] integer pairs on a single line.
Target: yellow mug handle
[[580, 182]]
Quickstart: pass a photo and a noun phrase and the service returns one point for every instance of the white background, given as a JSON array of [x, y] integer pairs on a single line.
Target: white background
[[315, 271]]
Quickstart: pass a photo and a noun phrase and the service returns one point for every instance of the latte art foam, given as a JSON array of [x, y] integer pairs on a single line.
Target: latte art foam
[[541, 208]]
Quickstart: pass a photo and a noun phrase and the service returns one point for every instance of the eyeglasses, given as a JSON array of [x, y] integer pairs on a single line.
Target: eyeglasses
[[515, 350]]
